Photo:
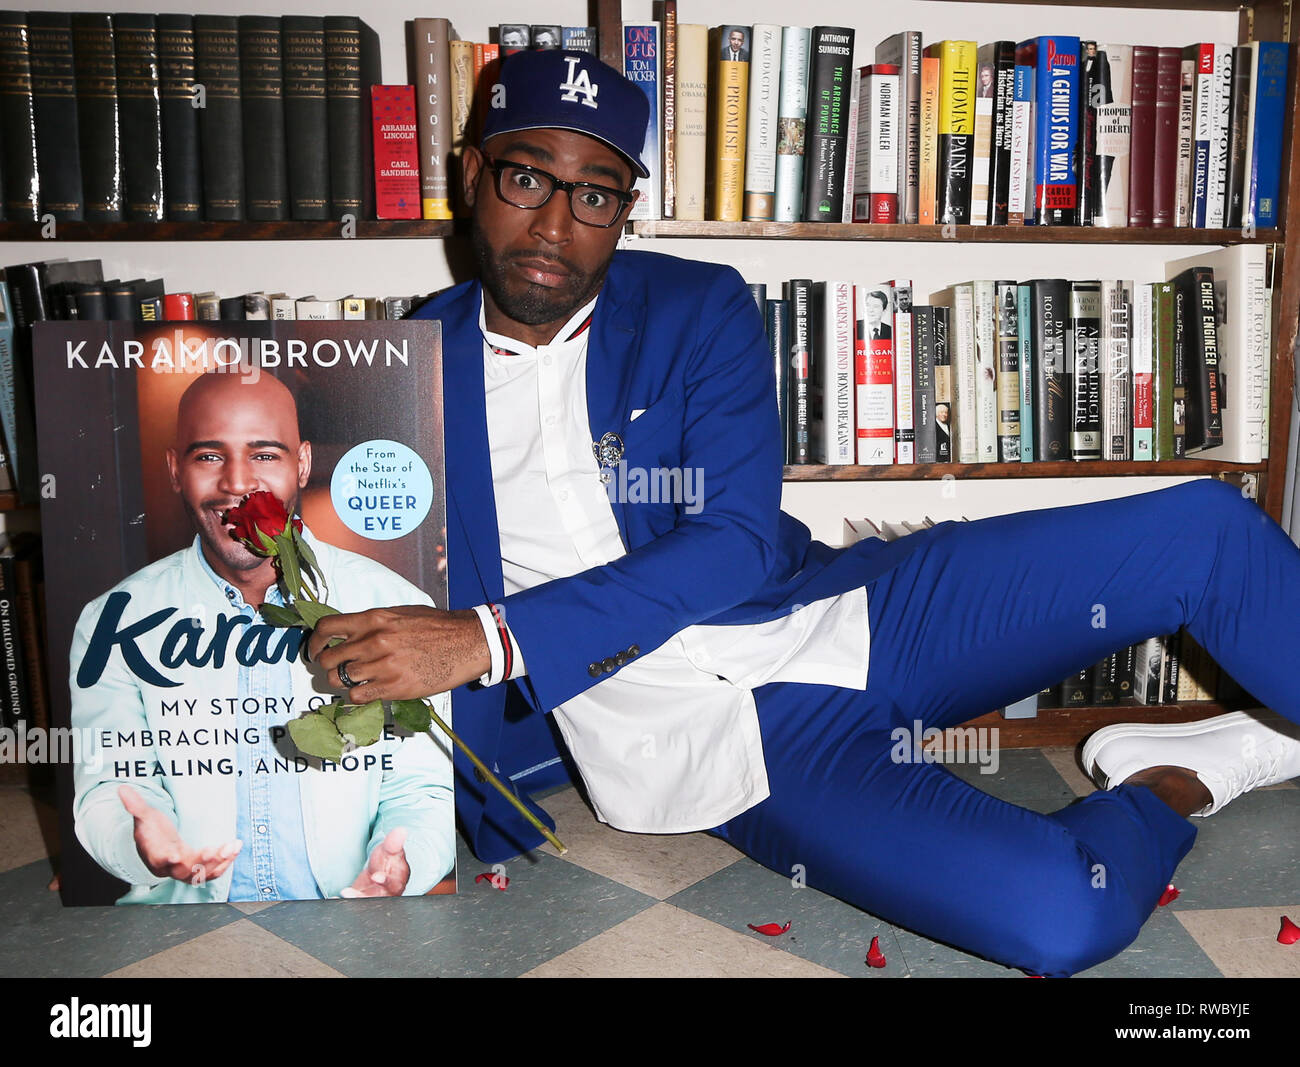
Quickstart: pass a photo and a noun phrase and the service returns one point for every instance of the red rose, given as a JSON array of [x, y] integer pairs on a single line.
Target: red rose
[[260, 511]]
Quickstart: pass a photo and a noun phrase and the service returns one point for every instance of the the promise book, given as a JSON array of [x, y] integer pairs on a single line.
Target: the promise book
[[179, 692]]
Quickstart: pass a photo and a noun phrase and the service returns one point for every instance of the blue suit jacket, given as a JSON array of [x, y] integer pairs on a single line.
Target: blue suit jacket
[[682, 340]]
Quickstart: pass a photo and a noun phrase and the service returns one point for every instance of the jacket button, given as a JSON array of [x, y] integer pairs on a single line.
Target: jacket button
[[479, 775], [594, 670], [620, 659], [634, 650], [608, 665]]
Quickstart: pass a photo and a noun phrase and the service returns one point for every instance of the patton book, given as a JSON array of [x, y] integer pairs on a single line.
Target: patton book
[[177, 693]]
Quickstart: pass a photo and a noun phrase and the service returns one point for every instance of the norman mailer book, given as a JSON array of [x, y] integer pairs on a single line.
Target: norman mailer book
[[182, 701]]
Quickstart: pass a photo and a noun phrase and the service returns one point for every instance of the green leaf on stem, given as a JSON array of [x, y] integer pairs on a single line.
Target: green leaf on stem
[[281, 616], [305, 553], [315, 735], [312, 613], [292, 576], [331, 710], [364, 723], [412, 715], [267, 543]]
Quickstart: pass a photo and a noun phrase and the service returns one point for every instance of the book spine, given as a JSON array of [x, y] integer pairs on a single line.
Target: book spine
[[904, 380], [1179, 373], [928, 151], [97, 117], [923, 395], [14, 704], [1117, 384], [397, 151], [1204, 417], [462, 103], [1266, 149], [903, 50], [179, 307], [1008, 360], [668, 153], [1094, 88], [266, 175], [799, 293], [27, 579], [54, 99], [761, 130], [1164, 176], [1020, 194], [1220, 135], [1141, 181], [986, 370], [965, 377], [985, 94], [1056, 84], [10, 389], [956, 132], [1202, 129], [944, 405], [221, 118], [642, 57], [850, 149], [1112, 164], [140, 100], [1051, 299], [179, 119], [1085, 329], [835, 355], [432, 55], [874, 375], [22, 189], [1003, 117], [1143, 374], [693, 120], [731, 101], [580, 39], [1183, 206], [1025, 328], [877, 176], [830, 89], [792, 121], [1235, 191], [352, 66], [306, 117]]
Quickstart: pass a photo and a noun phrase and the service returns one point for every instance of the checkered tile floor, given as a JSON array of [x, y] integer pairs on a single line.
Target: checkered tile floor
[[625, 904]]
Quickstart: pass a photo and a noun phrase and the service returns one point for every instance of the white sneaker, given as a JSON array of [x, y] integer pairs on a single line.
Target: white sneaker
[[1230, 754]]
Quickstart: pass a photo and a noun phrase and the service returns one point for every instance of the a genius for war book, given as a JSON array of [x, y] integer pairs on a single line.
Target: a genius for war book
[[180, 781]]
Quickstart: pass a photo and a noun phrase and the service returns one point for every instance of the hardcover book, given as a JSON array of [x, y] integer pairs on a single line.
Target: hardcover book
[[643, 66], [829, 93], [729, 92], [181, 700]]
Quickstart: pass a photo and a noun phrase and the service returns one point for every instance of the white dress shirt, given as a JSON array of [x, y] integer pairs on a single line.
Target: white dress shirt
[[670, 743]]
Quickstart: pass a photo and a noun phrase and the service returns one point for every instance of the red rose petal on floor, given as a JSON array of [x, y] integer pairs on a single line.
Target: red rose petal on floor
[[1168, 896], [496, 881], [769, 929], [875, 958], [1289, 934]]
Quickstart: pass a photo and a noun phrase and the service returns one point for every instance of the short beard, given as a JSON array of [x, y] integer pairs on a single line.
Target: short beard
[[536, 305]]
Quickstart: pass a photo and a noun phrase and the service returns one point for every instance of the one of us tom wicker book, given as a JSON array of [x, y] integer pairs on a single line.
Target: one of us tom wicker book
[[184, 783]]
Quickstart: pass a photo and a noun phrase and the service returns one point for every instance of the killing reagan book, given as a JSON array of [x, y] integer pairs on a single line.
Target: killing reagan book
[[179, 693]]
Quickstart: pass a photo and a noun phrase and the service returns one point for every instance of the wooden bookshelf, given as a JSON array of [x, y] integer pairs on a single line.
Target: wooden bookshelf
[[225, 231], [861, 231], [9, 502], [817, 472]]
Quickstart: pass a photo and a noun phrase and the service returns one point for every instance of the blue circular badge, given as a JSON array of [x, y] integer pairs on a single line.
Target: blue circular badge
[[381, 490]]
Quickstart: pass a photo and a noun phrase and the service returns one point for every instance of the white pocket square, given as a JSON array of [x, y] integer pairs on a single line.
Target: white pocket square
[[636, 414]]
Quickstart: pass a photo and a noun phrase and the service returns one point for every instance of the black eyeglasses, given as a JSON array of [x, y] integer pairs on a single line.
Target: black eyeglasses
[[521, 185]]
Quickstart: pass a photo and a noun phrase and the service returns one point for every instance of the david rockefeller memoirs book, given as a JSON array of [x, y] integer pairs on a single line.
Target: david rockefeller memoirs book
[[190, 711]]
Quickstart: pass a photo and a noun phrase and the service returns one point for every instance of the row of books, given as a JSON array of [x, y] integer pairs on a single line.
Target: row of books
[[1046, 369], [1168, 669], [767, 122], [184, 117], [72, 290]]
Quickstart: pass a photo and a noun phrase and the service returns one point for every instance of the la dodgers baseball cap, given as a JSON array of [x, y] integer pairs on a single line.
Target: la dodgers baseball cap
[[555, 89]]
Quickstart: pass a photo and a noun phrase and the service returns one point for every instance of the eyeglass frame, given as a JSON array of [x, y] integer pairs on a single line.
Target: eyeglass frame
[[625, 197]]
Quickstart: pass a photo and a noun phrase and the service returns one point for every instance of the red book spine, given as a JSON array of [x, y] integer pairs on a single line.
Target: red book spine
[[1169, 64], [397, 152], [1142, 151], [179, 307]]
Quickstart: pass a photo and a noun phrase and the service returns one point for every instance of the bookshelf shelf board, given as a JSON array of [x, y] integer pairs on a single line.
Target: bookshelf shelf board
[[1052, 469], [1069, 726], [861, 231], [224, 231], [10, 502]]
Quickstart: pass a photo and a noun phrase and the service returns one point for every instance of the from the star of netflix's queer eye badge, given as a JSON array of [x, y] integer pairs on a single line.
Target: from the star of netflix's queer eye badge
[[381, 490]]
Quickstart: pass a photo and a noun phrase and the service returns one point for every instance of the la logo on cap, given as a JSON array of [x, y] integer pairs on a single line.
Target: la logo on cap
[[581, 83]]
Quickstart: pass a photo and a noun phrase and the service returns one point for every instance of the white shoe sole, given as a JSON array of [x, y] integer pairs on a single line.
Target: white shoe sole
[[1106, 734]]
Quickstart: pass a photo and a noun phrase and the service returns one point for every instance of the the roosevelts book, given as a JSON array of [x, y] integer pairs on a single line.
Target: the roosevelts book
[[179, 693]]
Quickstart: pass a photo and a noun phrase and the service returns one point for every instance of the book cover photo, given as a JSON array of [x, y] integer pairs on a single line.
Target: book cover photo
[[190, 710]]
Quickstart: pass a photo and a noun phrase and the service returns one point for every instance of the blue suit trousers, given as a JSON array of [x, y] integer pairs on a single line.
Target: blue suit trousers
[[975, 616]]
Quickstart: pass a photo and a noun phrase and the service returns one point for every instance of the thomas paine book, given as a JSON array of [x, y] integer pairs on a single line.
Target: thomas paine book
[[178, 694]]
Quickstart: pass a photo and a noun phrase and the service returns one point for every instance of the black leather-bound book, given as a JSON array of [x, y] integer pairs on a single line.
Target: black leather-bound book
[[97, 117], [136, 37], [22, 190], [306, 126], [221, 122], [351, 68], [266, 173], [54, 100], [182, 174]]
